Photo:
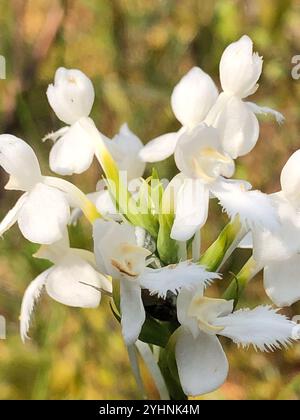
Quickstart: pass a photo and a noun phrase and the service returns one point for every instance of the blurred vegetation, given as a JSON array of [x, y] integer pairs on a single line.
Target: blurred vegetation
[[134, 51]]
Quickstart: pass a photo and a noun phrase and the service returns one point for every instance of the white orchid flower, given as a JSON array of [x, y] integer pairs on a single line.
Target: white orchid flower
[[104, 203], [71, 97], [235, 119], [127, 262], [73, 280], [278, 252], [43, 211], [201, 361], [191, 100], [203, 165]]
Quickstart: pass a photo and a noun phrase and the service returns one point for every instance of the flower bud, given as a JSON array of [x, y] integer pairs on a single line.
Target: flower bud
[[240, 68], [71, 96], [193, 97]]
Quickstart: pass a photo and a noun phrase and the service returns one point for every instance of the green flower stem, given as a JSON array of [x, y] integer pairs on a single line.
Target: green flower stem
[[223, 246], [238, 284]]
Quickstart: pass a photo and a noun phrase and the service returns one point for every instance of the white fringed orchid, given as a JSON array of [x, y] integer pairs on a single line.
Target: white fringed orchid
[[73, 280], [127, 262], [201, 361], [191, 100], [278, 252], [235, 119], [43, 211], [203, 164], [71, 97]]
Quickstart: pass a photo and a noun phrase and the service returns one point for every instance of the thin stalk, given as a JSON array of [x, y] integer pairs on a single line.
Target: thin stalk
[[133, 358], [238, 284], [153, 368], [196, 246], [182, 251]]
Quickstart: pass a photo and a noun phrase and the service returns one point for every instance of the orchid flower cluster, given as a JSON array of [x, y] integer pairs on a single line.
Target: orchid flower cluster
[[147, 256]]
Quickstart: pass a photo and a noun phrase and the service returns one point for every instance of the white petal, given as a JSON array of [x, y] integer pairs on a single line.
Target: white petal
[[71, 96], [202, 363], [31, 295], [283, 242], [199, 154], [132, 310], [183, 303], [114, 234], [159, 148], [128, 159], [254, 208], [19, 160], [73, 152], [237, 125], [172, 278], [12, 215], [262, 327], [193, 97], [282, 281], [191, 209], [290, 179], [56, 251], [240, 69], [54, 136], [264, 110], [246, 242], [44, 215], [73, 282]]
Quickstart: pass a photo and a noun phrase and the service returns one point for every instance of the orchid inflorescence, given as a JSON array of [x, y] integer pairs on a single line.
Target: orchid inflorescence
[[147, 232]]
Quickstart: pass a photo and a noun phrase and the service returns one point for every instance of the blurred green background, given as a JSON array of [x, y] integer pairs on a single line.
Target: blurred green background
[[134, 51]]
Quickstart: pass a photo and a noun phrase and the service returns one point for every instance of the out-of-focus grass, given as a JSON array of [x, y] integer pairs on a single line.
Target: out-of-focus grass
[[134, 51]]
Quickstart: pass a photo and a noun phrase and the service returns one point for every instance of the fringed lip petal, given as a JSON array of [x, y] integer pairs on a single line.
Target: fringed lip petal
[[263, 327], [30, 297], [173, 278]]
